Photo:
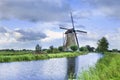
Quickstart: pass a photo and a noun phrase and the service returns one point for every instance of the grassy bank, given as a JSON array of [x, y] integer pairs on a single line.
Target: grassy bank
[[25, 56], [107, 68]]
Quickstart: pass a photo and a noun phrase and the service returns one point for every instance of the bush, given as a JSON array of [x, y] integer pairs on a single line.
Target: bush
[[74, 48], [55, 50], [83, 49], [49, 51], [60, 48]]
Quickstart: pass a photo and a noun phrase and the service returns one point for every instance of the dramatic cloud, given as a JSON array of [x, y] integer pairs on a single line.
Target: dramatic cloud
[[19, 35], [34, 10], [108, 7], [50, 14], [29, 35]]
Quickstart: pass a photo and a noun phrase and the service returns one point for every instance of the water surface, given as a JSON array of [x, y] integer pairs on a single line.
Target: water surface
[[52, 69]]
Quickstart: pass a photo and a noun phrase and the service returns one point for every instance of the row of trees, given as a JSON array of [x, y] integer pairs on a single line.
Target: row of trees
[[52, 49], [102, 47]]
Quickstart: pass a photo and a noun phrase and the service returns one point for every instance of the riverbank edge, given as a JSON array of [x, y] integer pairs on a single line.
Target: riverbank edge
[[33, 57], [106, 68]]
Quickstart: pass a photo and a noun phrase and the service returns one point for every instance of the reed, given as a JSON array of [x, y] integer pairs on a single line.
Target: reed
[[107, 68]]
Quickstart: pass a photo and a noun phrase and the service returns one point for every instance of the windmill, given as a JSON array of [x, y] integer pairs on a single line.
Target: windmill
[[71, 36]]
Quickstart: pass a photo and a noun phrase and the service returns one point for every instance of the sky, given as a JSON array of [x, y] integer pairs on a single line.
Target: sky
[[25, 23]]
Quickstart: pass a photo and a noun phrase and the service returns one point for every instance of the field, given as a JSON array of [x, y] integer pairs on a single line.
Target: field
[[107, 68], [10, 56]]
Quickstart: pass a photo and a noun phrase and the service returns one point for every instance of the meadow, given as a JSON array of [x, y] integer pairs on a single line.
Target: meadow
[[11, 56], [107, 68]]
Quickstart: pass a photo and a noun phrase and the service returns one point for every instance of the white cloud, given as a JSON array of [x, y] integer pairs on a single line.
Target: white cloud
[[114, 39], [115, 36], [51, 35], [6, 38], [17, 35], [90, 38]]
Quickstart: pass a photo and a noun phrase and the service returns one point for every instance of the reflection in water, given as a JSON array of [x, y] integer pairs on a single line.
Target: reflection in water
[[78, 64], [71, 67], [83, 62], [52, 69]]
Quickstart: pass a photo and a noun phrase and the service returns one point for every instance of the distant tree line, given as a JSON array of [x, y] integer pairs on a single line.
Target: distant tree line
[[103, 46], [12, 50], [52, 49]]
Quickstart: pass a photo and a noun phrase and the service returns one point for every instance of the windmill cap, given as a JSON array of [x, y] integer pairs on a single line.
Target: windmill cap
[[69, 31]]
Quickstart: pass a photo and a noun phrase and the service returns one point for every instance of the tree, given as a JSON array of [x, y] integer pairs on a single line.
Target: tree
[[90, 49], [51, 48], [38, 49], [60, 48], [115, 50], [102, 45], [74, 48], [83, 49]]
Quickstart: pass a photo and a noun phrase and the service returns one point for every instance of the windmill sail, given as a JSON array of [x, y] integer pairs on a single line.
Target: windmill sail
[[71, 36], [74, 30]]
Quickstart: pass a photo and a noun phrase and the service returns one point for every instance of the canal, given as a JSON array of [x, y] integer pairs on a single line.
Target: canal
[[52, 69]]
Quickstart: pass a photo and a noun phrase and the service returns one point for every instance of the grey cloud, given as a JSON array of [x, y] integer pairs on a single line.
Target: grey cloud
[[21, 35], [88, 38], [108, 7], [82, 14], [34, 10], [30, 35], [80, 26], [104, 2], [3, 30]]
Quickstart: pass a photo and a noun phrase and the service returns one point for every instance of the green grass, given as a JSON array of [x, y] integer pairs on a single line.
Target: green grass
[[6, 56], [107, 68]]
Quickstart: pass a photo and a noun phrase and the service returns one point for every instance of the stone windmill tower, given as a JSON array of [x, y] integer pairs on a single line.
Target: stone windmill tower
[[71, 36]]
